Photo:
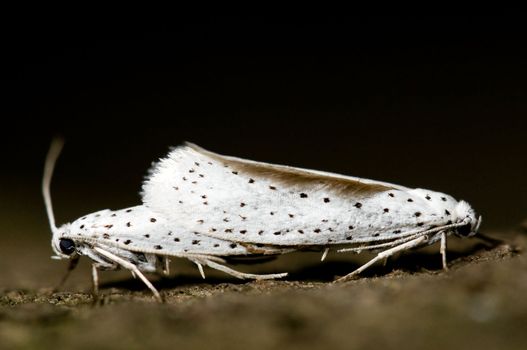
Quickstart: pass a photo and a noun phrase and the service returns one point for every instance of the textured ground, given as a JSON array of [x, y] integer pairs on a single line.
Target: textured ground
[[480, 303]]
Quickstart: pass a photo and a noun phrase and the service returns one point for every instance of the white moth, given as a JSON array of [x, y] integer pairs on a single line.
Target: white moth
[[207, 207]]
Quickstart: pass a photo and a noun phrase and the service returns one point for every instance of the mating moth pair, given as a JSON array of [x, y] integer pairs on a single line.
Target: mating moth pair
[[207, 207]]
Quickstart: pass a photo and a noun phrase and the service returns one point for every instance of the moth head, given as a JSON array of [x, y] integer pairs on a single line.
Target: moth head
[[468, 219], [64, 248]]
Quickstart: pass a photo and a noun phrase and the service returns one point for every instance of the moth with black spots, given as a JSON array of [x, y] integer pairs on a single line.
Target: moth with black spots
[[207, 207]]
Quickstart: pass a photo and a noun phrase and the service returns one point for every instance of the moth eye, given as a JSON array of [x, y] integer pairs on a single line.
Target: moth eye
[[67, 246], [464, 230]]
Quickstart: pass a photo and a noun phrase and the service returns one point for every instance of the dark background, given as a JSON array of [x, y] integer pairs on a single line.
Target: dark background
[[433, 102]]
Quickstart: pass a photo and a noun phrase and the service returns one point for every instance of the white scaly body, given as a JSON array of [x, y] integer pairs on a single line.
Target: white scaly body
[[203, 206], [244, 201]]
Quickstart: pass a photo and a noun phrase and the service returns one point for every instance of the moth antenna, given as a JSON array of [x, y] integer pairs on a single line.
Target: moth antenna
[[51, 158]]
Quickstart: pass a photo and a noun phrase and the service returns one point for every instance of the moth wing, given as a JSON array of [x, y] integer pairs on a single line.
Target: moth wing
[[246, 201], [139, 229]]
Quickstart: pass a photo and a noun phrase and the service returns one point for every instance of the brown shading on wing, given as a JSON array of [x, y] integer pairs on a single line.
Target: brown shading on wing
[[290, 176]]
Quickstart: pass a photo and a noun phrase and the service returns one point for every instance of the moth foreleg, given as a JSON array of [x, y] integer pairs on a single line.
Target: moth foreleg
[[71, 266], [385, 254], [128, 265]]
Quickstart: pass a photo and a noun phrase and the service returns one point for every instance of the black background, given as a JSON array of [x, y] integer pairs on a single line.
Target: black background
[[433, 102]]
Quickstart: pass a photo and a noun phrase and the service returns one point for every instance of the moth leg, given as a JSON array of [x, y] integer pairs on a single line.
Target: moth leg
[[383, 255], [95, 280], [242, 275], [71, 266], [166, 269], [162, 265], [200, 268], [128, 265], [443, 250], [325, 254]]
